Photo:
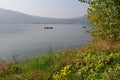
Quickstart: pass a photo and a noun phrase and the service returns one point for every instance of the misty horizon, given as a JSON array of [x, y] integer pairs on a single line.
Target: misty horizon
[[15, 17], [42, 16], [45, 8]]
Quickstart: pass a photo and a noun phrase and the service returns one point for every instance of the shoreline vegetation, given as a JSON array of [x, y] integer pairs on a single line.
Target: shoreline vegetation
[[96, 60]]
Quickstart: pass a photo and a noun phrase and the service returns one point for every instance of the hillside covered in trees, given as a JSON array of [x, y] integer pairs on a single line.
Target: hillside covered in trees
[[99, 60]]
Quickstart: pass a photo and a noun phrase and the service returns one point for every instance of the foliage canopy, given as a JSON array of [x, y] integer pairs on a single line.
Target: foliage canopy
[[105, 17]]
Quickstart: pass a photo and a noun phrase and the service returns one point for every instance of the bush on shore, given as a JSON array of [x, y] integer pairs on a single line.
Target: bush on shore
[[85, 63]]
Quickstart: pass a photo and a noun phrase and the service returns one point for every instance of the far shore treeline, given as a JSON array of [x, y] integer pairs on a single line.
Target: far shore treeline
[[98, 60], [21, 18]]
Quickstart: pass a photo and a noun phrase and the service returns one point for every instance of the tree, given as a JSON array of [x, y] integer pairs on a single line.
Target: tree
[[105, 17]]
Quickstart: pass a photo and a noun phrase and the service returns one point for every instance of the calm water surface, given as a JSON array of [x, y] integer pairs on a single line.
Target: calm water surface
[[28, 40]]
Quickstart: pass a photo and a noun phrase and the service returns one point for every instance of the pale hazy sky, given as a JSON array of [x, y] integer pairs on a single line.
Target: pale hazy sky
[[47, 8]]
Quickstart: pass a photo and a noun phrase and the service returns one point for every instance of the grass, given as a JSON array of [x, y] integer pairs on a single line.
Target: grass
[[94, 61]]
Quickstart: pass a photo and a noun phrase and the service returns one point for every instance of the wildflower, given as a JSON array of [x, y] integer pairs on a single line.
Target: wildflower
[[63, 72]]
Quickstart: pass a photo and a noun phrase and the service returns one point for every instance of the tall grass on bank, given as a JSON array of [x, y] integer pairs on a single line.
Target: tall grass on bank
[[86, 63]]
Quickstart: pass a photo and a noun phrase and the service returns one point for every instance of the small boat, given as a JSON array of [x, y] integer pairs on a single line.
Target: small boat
[[48, 27], [84, 26]]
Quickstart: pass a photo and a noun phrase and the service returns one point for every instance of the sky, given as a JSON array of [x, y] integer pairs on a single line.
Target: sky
[[47, 8]]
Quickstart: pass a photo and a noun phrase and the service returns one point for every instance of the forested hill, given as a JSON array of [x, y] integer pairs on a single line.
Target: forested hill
[[14, 17]]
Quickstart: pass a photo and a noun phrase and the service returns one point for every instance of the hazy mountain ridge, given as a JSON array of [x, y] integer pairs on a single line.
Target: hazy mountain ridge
[[14, 17]]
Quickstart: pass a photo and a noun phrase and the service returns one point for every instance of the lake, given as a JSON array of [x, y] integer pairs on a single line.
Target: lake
[[27, 40]]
